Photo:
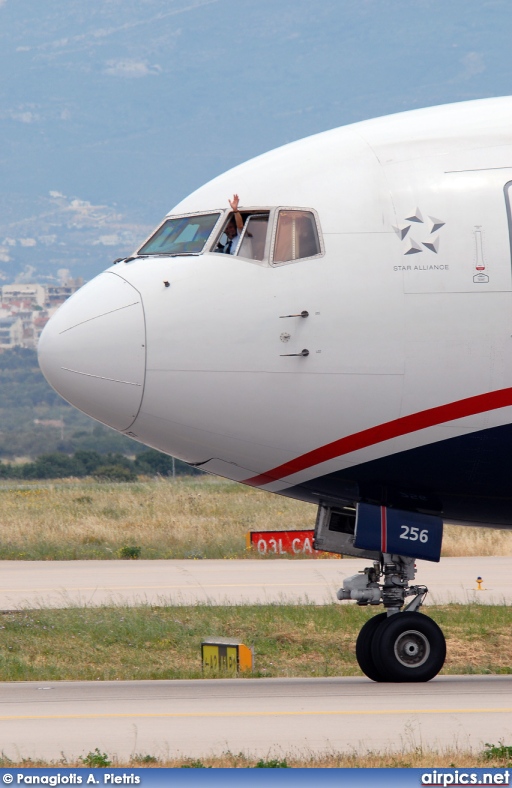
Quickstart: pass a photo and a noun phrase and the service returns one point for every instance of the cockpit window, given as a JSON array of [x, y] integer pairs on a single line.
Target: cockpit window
[[252, 244], [271, 236], [183, 235], [296, 236], [249, 240]]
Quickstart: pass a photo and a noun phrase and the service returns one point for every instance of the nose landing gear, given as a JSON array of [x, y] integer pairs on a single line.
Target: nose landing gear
[[395, 646], [401, 644]]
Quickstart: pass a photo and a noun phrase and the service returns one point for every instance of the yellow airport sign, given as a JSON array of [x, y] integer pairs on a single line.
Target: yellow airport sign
[[226, 656]]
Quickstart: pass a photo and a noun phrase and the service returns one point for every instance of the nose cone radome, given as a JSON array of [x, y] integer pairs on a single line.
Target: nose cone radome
[[92, 351]]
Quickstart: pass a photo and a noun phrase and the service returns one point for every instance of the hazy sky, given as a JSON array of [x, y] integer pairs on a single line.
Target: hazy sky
[[138, 102]]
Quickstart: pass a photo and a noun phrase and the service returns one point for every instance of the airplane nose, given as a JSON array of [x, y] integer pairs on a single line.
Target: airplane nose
[[92, 351]]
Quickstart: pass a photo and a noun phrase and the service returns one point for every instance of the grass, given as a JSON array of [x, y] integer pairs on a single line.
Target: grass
[[126, 643], [190, 517], [184, 518], [419, 757]]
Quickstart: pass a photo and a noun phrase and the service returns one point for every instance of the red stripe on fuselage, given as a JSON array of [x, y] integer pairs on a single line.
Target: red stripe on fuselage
[[384, 432], [383, 530]]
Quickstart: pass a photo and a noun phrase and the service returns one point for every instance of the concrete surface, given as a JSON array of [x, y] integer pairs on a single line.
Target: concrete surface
[[69, 583], [262, 717]]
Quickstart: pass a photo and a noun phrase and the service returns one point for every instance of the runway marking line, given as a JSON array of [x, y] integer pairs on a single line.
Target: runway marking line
[[181, 715], [150, 588]]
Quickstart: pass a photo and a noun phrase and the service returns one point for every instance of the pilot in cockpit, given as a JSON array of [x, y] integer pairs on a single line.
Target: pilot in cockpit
[[233, 229]]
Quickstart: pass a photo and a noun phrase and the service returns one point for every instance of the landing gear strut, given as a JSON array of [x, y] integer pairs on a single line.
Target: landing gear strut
[[401, 644], [398, 645]]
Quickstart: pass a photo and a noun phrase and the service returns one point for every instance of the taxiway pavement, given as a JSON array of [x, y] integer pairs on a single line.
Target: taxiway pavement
[[262, 717], [28, 584]]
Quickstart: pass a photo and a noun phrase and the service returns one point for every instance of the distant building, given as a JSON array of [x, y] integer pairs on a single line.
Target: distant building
[[11, 332], [39, 323], [57, 294], [26, 308], [20, 291]]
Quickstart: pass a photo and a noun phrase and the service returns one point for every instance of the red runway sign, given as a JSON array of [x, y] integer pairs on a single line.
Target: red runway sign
[[285, 543]]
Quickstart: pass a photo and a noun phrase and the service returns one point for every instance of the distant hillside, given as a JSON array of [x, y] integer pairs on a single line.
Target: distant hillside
[[53, 236], [111, 112], [34, 420]]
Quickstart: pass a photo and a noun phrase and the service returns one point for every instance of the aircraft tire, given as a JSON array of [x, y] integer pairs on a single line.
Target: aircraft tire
[[409, 647], [364, 647]]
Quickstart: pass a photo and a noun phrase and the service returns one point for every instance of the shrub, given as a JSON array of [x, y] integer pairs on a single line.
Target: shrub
[[96, 760], [271, 764], [130, 551], [114, 473], [500, 752]]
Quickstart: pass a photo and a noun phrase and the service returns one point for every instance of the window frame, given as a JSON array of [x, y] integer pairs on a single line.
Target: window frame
[[266, 252], [248, 212], [189, 214], [278, 263]]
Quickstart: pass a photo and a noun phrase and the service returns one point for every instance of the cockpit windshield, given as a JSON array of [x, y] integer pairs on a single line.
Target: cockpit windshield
[[183, 235], [269, 236]]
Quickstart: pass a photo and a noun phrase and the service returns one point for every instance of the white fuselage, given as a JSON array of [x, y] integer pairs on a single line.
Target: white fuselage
[[409, 326]]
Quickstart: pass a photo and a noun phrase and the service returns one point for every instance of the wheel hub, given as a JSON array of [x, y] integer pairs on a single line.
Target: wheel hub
[[412, 649]]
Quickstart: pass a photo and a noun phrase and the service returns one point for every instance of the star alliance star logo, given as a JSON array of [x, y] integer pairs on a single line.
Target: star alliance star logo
[[426, 233]]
